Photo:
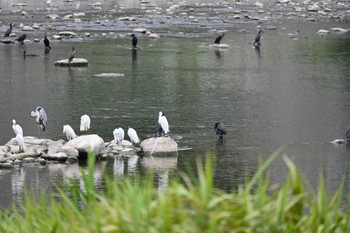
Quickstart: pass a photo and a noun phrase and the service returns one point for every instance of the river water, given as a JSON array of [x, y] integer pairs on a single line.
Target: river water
[[290, 93]]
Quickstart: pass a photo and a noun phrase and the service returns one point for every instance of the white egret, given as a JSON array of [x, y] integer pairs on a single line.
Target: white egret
[[118, 134], [68, 130], [85, 122], [162, 120], [40, 117], [17, 128], [20, 141], [133, 136], [220, 129]]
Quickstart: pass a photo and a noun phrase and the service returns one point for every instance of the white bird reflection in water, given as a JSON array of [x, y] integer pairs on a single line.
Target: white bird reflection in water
[[123, 166], [161, 166]]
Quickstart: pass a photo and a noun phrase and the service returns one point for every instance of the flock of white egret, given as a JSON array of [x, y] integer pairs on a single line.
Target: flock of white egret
[[161, 129]]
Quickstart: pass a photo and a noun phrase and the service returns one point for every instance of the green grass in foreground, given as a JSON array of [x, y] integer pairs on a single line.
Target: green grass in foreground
[[186, 206]]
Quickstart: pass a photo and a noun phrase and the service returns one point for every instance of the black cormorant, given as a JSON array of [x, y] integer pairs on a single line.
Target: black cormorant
[[47, 43], [257, 38], [21, 38], [220, 129], [219, 38], [134, 41], [8, 31]]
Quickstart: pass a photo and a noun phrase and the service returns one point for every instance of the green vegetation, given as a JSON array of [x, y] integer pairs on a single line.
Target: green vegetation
[[187, 205]]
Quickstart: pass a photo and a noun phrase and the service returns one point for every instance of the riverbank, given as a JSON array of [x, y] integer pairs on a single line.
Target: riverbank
[[101, 21]]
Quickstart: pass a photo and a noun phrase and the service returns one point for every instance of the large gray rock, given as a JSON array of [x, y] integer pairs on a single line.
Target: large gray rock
[[159, 145], [54, 147], [61, 157], [69, 151], [79, 62], [87, 143]]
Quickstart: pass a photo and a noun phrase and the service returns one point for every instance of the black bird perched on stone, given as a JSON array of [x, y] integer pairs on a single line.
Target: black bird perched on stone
[[71, 55], [47, 43], [220, 129], [134, 41], [21, 38], [158, 130], [257, 38], [8, 31], [219, 38]]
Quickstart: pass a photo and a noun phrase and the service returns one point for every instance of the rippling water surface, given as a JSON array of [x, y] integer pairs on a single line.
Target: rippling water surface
[[292, 93]]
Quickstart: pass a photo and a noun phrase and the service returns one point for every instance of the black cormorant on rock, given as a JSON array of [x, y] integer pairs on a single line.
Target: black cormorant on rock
[[8, 31], [219, 38]]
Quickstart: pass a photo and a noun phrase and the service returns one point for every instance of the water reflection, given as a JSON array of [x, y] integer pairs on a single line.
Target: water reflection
[[161, 166], [134, 56], [258, 52]]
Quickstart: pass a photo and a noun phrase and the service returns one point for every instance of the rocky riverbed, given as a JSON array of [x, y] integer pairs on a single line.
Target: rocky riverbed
[[181, 19], [43, 151]]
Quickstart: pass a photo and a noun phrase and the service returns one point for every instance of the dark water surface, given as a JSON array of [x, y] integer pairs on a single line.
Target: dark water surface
[[292, 93]]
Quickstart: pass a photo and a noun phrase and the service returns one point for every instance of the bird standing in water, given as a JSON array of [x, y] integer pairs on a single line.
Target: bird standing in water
[[220, 129], [47, 43], [257, 38], [134, 41], [71, 55]]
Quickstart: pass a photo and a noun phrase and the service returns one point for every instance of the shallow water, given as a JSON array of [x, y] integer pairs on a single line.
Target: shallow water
[[291, 93]]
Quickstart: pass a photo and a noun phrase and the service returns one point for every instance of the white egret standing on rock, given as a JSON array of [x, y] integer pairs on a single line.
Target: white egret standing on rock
[[118, 135], [162, 120], [220, 129], [40, 117], [68, 130], [133, 136], [85, 122], [17, 128], [20, 140]]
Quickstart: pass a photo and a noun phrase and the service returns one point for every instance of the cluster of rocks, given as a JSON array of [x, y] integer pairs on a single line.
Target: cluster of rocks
[[113, 21], [43, 151]]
